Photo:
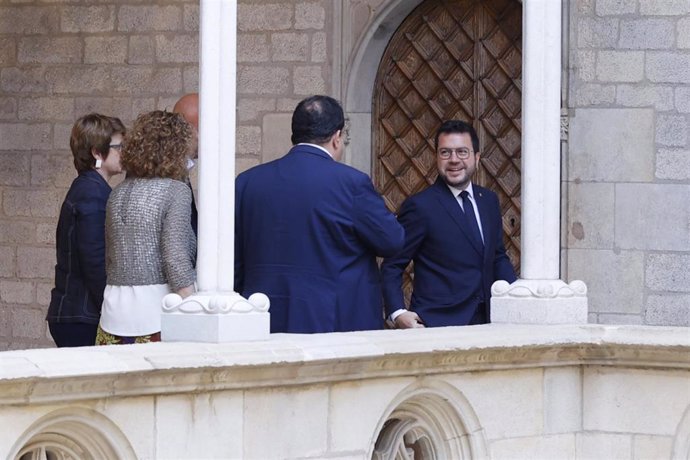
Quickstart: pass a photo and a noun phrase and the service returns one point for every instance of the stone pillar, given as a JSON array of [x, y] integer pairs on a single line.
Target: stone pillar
[[540, 296], [216, 313]]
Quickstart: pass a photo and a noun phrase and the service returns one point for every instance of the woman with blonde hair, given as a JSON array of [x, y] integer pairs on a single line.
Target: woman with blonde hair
[[75, 301], [150, 245]]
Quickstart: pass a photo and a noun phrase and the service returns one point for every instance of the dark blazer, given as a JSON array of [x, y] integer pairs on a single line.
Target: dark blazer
[[452, 274], [80, 248], [307, 233]]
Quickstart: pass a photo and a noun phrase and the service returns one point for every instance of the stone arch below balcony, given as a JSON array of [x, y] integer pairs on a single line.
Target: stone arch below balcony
[[430, 419], [73, 433]]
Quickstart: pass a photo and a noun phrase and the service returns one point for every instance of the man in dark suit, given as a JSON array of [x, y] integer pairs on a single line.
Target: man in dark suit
[[188, 107], [453, 233], [308, 230]]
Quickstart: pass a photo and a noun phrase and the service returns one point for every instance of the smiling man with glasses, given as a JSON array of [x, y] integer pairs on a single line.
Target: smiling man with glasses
[[454, 236]]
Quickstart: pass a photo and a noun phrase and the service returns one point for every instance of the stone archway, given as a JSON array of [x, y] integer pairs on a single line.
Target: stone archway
[[430, 420], [73, 433]]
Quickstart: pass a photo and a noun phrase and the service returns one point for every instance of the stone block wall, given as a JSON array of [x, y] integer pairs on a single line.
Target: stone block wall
[[628, 159], [65, 58]]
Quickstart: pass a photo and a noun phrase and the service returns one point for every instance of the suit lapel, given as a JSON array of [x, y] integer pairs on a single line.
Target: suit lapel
[[450, 203]]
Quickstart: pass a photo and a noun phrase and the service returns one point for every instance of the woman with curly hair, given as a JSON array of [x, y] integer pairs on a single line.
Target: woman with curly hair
[[150, 245], [75, 301]]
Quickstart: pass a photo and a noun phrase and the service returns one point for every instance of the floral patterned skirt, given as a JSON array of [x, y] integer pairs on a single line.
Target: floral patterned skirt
[[106, 338]]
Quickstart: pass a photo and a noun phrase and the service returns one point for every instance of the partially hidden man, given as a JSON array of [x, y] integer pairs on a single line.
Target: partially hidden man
[[308, 230], [453, 234]]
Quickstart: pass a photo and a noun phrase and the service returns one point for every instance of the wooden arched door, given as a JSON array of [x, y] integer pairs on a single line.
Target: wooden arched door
[[452, 59]]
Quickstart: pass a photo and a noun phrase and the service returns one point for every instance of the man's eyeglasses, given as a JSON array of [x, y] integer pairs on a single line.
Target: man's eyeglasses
[[462, 153], [117, 147]]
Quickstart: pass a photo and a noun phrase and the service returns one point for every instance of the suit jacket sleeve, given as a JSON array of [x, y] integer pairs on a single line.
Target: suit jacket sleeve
[[392, 269], [503, 268], [239, 253], [374, 224], [90, 239]]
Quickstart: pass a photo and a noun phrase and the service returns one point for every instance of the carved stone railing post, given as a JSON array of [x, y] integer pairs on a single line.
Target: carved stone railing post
[[540, 296], [216, 313]]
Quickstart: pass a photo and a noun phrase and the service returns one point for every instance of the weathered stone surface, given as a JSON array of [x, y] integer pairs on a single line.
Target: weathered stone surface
[[209, 412], [8, 262], [46, 108], [35, 262], [318, 47], [603, 445], [257, 80], [562, 395], [49, 50], [614, 318], [308, 80], [24, 80], [16, 168], [299, 429], [177, 48], [611, 145], [620, 66], [597, 32], [142, 49], [17, 231], [590, 215], [264, 17], [615, 282], [28, 323], [252, 48], [591, 94], [120, 107], [683, 99], [277, 129], [668, 310], [683, 32], [190, 17], [652, 447], [615, 7], [141, 18], [658, 97], [668, 272], [248, 109], [248, 140], [94, 18], [108, 50], [585, 64], [31, 203], [82, 79], [244, 163], [309, 15], [190, 77], [45, 234], [536, 447], [29, 20], [664, 7], [667, 67], [143, 79], [673, 164], [24, 136], [653, 216], [672, 130], [289, 47], [18, 292], [633, 401], [646, 34], [8, 51]]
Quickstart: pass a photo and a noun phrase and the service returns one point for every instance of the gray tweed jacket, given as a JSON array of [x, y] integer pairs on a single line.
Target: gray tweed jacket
[[148, 234]]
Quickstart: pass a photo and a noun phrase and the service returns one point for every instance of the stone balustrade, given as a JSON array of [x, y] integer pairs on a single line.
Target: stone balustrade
[[492, 391]]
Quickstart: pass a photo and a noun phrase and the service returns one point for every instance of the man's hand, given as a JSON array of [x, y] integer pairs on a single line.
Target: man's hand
[[408, 320]]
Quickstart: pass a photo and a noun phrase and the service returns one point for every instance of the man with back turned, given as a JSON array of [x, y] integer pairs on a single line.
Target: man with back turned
[[308, 230]]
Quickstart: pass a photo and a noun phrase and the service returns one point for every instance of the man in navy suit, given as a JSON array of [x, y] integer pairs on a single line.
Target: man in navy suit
[[308, 230], [453, 234]]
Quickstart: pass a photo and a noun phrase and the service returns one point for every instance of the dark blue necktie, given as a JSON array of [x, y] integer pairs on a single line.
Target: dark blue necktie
[[470, 218]]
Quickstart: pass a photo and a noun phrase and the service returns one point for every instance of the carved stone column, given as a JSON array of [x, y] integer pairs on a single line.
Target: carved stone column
[[540, 296], [216, 313]]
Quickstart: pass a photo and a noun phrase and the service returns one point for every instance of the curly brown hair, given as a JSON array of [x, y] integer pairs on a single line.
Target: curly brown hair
[[92, 132], [158, 145]]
